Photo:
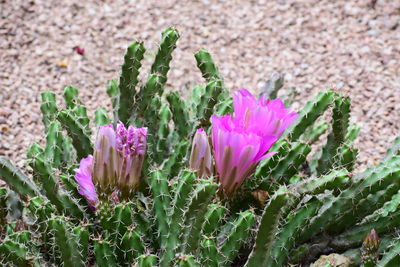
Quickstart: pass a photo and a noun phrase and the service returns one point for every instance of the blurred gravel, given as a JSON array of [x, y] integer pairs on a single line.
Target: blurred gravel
[[353, 46]]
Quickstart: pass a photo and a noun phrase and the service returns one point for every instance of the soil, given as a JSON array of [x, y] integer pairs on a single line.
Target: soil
[[352, 46]]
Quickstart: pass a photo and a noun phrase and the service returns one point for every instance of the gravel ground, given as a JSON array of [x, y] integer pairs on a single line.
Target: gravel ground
[[350, 45]]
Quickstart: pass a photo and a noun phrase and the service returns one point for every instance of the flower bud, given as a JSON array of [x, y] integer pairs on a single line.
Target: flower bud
[[200, 157], [369, 248]]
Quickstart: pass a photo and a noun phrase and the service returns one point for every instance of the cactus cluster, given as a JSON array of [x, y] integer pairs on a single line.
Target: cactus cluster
[[294, 207]]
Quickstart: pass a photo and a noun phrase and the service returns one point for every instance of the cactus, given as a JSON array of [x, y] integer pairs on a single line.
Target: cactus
[[128, 80], [268, 228], [287, 208]]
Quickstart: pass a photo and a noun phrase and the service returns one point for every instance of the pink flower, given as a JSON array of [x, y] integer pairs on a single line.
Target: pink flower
[[200, 157], [83, 176], [117, 160], [241, 140]]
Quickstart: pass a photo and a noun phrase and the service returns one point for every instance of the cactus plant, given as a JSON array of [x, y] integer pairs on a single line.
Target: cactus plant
[[152, 190]]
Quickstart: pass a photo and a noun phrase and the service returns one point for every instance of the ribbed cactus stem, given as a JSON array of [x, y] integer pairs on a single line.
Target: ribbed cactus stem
[[268, 228], [101, 117], [286, 166], [286, 238], [337, 180], [48, 108], [80, 139], [186, 261], [214, 217], [71, 97], [161, 202], [54, 140], [104, 254], [83, 235], [238, 235], [164, 54], [113, 93], [309, 114], [312, 134], [163, 132], [206, 65], [132, 245], [180, 114], [392, 256], [177, 159], [128, 80], [182, 193], [147, 260], [209, 252], [194, 215], [18, 181], [394, 149], [207, 102], [66, 242]]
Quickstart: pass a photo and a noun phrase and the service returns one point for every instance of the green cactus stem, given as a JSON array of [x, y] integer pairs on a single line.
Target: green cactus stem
[[236, 238], [179, 114], [286, 238], [391, 257], [207, 66], [214, 217], [194, 215], [71, 97], [128, 80], [48, 108], [101, 117], [312, 134], [161, 203], [209, 252], [185, 261], [80, 139], [104, 254], [147, 260], [132, 245], [286, 167], [309, 114], [268, 228], [182, 192], [66, 242], [394, 149], [54, 140], [207, 102], [18, 181], [336, 180], [164, 54], [113, 93]]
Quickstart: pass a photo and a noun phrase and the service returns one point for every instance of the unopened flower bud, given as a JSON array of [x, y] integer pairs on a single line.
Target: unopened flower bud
[[200, 157], [369, 248]]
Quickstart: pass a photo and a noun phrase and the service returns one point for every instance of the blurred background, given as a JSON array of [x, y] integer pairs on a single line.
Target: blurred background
[[353, 46]]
